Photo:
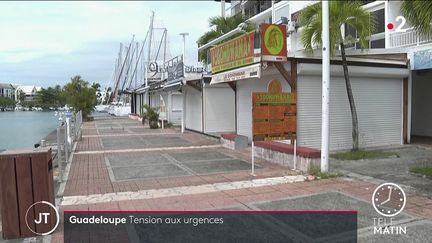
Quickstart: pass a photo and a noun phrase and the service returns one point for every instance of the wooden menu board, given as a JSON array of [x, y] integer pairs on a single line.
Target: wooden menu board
[[274, 114]]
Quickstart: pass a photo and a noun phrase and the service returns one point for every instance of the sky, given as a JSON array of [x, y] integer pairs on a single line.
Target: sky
[[47, 43]]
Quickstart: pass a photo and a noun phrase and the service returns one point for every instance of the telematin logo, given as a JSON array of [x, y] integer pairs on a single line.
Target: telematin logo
[[388, 200]]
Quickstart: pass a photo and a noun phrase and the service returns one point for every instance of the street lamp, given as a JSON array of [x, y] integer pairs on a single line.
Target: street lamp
[[184, 82]]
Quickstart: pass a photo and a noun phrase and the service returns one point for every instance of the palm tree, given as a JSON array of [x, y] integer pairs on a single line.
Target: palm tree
[[220, 26], [419, 14], [342, 13]]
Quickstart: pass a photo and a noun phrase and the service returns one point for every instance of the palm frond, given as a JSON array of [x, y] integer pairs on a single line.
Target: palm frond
[[419, 14], [341, 12]]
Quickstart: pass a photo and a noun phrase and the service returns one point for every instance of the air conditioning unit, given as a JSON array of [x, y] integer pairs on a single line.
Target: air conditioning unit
[[291, 27]]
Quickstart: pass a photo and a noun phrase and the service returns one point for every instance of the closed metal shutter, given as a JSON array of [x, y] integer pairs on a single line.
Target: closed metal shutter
[[379, 111], [219, 109], [193, 119], [176, 108]]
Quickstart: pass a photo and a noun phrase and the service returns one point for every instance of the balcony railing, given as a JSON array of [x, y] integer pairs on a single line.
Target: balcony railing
[[408, 38]]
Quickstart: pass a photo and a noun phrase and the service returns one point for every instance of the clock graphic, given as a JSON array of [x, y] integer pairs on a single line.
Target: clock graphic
[[388, 199]]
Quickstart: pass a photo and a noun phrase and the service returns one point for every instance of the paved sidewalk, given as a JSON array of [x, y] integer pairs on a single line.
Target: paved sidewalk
[[121, 165], [393, 169]]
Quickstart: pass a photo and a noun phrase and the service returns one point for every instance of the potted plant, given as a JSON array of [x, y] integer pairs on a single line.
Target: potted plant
[[143, 115], [152, 115]]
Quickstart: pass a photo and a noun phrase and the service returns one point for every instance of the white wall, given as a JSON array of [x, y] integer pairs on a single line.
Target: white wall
[[422, 103], [219, 109], [193, 111]]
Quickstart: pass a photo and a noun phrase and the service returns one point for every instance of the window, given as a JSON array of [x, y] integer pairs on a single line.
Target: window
[[379, 20], [364, 2], [377, 43]]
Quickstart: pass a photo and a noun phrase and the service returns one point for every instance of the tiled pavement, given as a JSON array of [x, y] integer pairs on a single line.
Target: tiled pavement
[[89, 175]]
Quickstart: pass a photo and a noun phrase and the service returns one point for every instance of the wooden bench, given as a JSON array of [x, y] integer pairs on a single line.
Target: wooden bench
[[283, 154], [234, 141]]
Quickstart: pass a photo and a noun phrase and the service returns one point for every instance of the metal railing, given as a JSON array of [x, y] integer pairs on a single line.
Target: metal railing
[[408, 38], [67, 132]]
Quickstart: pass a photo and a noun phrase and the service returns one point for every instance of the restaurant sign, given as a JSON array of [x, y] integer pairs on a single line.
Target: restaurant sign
[[274, 43], [274, 114], [234, 53], [251, 71]]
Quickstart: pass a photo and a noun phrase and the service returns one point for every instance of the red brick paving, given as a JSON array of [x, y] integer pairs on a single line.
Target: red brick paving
[[89, 175]]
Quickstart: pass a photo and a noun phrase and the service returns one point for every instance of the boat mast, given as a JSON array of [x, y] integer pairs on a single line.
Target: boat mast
[[122, 68], [149, 47]]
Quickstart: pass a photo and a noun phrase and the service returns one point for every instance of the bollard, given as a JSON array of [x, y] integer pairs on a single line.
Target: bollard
[[59, 155], [66, 144]]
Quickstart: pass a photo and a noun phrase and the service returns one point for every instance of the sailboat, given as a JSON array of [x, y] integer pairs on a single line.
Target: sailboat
[[133, 70]]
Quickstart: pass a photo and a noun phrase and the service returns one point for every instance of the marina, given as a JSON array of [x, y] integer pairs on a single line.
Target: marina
[[24, 129]]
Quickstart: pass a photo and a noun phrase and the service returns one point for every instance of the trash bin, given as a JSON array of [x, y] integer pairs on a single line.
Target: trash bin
[[26, 178]]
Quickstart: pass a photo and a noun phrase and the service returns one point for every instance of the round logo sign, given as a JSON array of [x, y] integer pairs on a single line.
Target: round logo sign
[[389, 199], [43, 218], [274, 39]]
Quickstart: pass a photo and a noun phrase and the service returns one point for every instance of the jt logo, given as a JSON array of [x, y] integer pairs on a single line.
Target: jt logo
[[45, 216]]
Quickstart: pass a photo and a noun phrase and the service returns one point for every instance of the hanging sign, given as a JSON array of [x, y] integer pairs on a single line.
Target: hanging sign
[[273, 43], [251, 71], [174, 68], [234, 53], [274, 114]]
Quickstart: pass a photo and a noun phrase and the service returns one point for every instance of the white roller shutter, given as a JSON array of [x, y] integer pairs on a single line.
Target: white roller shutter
[[176, 108], [193, 119], [244, 100], [219, 109], [379, 111]]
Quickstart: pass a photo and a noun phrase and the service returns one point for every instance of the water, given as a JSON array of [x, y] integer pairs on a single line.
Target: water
[[22, 129]]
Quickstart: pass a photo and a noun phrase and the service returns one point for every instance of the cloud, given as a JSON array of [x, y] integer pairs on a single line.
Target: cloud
[[48, 42]]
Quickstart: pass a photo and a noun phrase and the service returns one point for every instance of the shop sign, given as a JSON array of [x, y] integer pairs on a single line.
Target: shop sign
[[174, 68], [274, 114], [253, 71], [154, 71], [273, 43], [234, 53], [422, 59]]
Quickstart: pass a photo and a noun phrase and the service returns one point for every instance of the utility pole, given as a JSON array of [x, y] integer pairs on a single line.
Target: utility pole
[[223, 8], [184, 82], [325, 124]]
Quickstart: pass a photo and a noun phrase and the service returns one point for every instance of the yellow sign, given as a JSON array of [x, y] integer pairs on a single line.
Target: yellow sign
[[273, 45], [233, 53]]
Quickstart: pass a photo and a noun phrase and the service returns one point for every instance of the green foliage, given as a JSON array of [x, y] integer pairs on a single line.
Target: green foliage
[[96, 86], [151, 113], [80, 96], [315, 170], [28, 103], [5, 101], [341, 12], [422, 170], [50, 97], [21, 96], [363, 154], [220, 26], [419, 14]]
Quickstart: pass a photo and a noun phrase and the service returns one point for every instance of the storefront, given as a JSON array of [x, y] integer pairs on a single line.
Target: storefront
[[378, 88]]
